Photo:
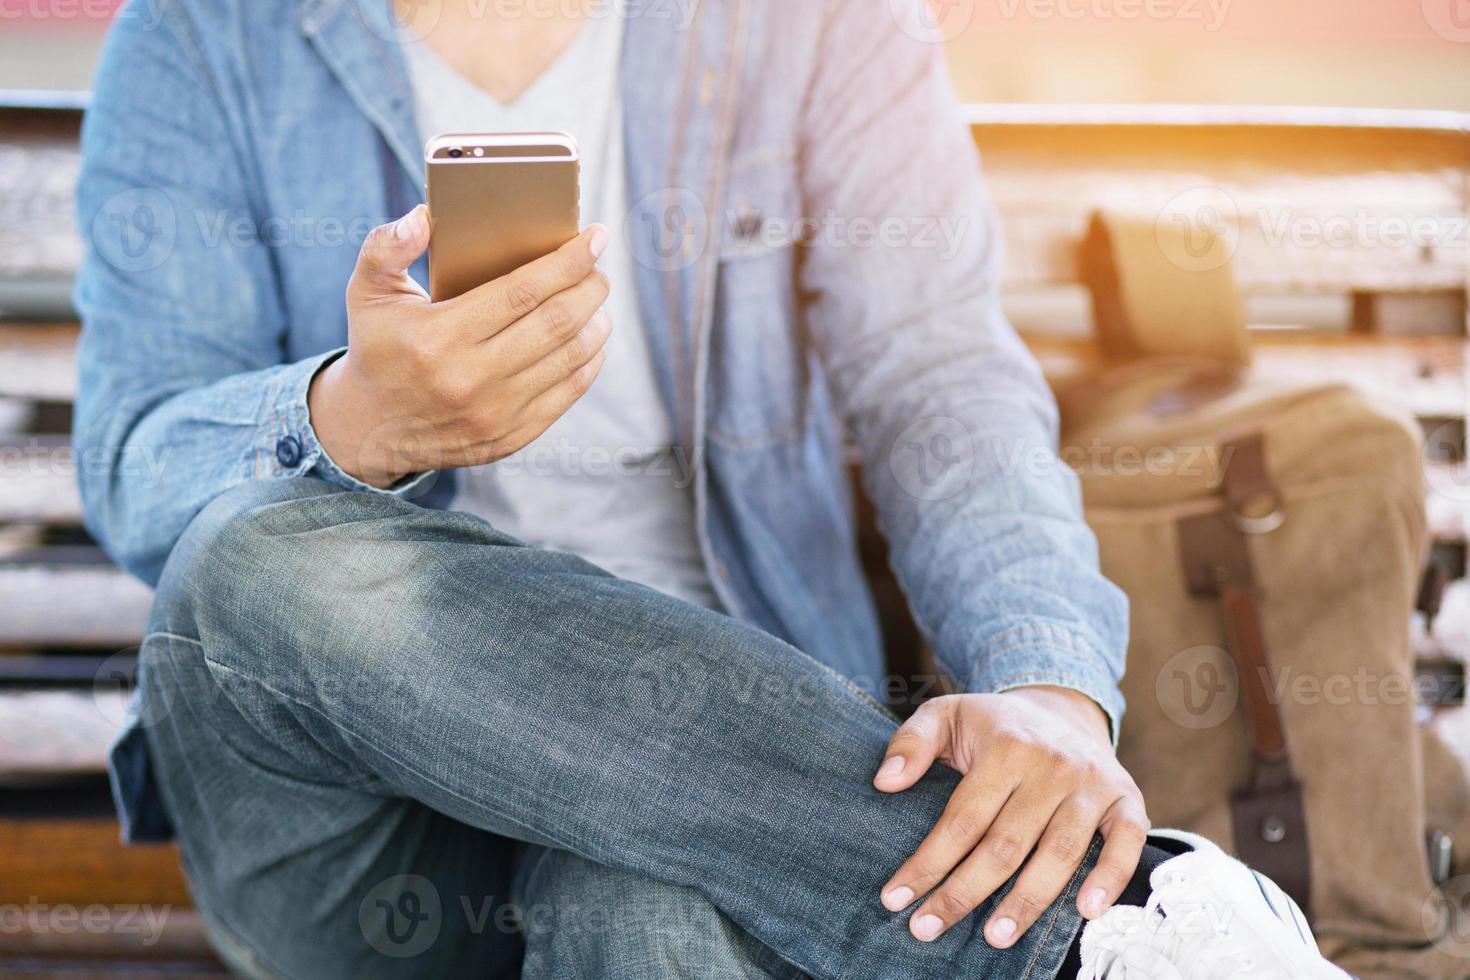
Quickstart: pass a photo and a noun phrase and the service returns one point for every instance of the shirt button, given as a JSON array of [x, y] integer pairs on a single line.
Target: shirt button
[[288, 451]]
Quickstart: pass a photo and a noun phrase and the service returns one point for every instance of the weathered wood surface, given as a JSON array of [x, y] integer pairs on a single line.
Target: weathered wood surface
[[1309, 202], [1427, 373], [83, 861], [173, 945], [38, 361], [1449, 501], [1452, 625], [62, 603], [1425, 376], [38, 481], [52, 735]]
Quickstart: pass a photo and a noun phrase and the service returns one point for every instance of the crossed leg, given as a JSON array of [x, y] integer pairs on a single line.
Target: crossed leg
[[346, 689]]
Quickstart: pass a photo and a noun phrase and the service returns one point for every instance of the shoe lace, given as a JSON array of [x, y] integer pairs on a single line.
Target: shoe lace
[[1179, 935]]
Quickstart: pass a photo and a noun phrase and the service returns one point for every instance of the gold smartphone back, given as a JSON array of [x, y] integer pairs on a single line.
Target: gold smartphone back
[[496, 202]]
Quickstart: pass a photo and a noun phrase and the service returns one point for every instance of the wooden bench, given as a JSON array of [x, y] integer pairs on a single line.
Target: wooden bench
[[1390, 317]]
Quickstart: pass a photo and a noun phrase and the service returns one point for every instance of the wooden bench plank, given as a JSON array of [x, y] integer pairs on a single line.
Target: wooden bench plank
[[38, 482], [55, 604], [53, 735], [1434, 366], [1311, 202], [83, 862], [174, 944], [1449, 501], [1426, 376], [1452, 625], [39, 361]]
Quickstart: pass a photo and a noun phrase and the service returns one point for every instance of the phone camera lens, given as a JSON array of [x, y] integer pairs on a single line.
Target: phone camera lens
[[456, 153]]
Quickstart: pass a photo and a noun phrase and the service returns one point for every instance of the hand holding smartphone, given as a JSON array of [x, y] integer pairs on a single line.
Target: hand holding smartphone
[[498, 201], [427, 383]]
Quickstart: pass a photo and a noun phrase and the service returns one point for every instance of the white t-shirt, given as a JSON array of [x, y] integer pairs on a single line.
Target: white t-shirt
[[603, 482]]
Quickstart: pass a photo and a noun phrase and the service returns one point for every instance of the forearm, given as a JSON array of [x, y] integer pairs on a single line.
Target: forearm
[[151, 458], [989, 541], [954, 422]]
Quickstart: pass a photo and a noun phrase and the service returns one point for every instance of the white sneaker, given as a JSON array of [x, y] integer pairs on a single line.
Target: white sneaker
[[1209, 918]]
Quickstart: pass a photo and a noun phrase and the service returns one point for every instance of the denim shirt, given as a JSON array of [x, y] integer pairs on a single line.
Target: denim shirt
[[817, 262]]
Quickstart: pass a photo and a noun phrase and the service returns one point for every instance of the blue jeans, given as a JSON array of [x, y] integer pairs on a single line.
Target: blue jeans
[[395, 742]]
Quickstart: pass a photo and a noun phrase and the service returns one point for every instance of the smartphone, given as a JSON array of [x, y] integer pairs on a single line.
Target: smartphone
[[496, 202]]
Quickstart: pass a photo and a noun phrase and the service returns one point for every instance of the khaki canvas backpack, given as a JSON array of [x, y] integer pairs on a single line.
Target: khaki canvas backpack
[[1271, 537]]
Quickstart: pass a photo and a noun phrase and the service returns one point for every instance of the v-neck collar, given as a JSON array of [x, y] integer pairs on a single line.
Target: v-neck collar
[[559, 65], [678, 84]]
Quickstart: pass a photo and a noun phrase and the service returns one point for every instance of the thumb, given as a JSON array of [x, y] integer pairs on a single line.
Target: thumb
[[388, 252], [914, 747]]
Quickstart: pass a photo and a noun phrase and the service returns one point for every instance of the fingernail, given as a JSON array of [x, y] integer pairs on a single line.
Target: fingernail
[[405, 227], [926, 927], [1001, 930], [1094, 902], [897, 898], [597, 244], [891, 767]]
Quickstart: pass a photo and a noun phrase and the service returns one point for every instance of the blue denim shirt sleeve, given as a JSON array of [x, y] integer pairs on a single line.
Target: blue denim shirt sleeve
[[183, 393], [954, 421]]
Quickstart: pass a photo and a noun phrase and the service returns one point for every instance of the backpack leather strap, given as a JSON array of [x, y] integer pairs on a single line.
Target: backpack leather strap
[[1268, 813]]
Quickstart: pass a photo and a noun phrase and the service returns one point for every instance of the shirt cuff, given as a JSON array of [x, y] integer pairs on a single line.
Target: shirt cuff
[[288, 444], [1046, 654]]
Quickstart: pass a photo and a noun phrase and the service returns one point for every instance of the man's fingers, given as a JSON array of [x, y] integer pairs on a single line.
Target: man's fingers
[[566, 360], [499, 303], [914, 747], [1047, 873], [556, 321], [387, 253], [1125, 832], [553, 403], [965, 820], [999, 854]]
